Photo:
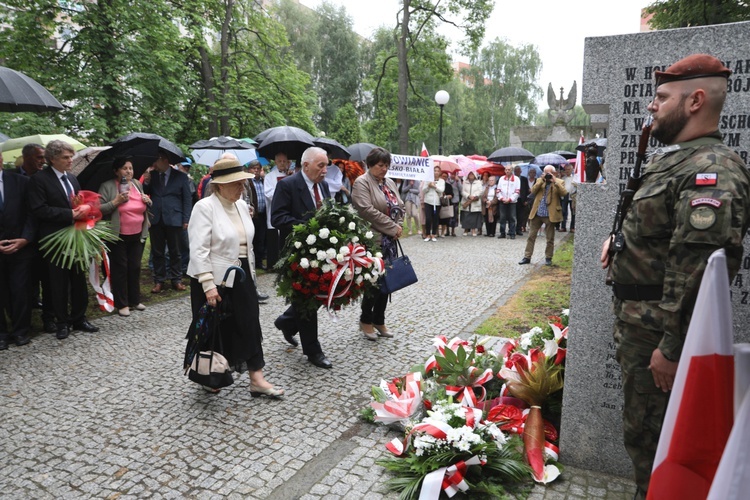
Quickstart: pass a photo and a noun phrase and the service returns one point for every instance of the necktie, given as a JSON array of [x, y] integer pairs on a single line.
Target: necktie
[[68, 189], [163, 176], [317, 196]]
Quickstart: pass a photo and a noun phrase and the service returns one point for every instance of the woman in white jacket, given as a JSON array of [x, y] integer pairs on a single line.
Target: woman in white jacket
[[221, 235], [471, 206], [432, 190]]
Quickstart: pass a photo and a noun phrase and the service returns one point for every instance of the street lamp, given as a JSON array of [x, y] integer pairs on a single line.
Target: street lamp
[[441, 98]]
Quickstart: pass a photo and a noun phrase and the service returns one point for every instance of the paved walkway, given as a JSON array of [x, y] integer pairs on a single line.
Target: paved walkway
[[110, 415]]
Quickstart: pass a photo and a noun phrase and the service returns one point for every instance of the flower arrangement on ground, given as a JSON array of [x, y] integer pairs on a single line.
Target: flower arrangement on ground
[[83, 242], [330, 260], [489, 420]]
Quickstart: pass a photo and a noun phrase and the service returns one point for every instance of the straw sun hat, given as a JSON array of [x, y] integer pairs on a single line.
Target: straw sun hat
[[226, 171]]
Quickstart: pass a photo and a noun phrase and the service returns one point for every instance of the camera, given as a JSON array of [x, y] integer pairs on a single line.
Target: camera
[[548, 177]]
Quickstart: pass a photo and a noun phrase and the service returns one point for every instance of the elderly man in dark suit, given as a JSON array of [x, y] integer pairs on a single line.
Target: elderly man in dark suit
[[295, 201], [172, 203], [50, 192], [17, 230]]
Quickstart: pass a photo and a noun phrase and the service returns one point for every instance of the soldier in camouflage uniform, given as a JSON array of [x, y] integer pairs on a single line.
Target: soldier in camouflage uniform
[[694, 199]]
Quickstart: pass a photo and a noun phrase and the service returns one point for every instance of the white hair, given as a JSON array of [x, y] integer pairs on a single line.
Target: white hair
[[312, 152]]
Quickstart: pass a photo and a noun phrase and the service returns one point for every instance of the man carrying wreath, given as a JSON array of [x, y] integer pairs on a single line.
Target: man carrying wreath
[[295, 201]]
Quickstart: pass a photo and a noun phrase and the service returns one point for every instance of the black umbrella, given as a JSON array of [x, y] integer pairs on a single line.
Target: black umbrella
[[600, 143], [360, 150], [18, 92], [565, 154], [335, 150], [510, 154], [291, 141], [221, 142], [142, 148]]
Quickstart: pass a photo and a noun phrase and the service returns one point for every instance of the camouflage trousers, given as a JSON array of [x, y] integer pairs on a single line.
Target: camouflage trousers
[[645, 404]]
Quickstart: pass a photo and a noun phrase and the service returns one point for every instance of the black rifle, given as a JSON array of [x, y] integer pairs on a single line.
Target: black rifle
[[617, 242]]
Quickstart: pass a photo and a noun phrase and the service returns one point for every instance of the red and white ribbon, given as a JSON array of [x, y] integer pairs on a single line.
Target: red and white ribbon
[[357, 257], [404, 406], [448, 479], [104, 291], [438, 430], [466, 394]]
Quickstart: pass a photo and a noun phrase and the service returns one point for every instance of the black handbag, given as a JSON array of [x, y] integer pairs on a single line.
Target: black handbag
[[399, 273]]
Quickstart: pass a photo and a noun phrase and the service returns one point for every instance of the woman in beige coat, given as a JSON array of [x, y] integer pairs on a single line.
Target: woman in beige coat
[[377, 201], [471, 206]]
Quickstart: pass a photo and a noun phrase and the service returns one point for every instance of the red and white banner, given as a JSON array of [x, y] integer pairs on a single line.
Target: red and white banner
[[580, 170], [103, 291], [700, 412], [424, 151]]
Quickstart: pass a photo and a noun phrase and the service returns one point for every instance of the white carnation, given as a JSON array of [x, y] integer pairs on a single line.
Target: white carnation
[[321, 255], [344, 250], [331, 253], [358, 280], [314, 251], [314, 264], [304, 263], [379, 255], [357, 270], [333, 240], [326, 268], [339, 257], [324, 233], [355, 239], [297, 244], [311, 239], [342, 220], [368, 234], [352, 226]]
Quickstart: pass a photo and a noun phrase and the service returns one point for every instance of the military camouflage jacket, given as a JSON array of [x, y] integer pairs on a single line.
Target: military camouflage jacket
[[694, 199]]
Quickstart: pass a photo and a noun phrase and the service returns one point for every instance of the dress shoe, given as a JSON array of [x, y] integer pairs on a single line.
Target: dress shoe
[[368, 331], [383, 331], [157, 288], [288, 335], [512, 236], [3, 344], [50, 327], [139, 307], [572, 230], [179, 286], [125, 311], [271, 392], [262, 297], [501, 236], [211, 390], [62, 333], [519, 233], [548, 262], [524, 261], [85, 326], [22, 339], [320, 360], [563, 230]]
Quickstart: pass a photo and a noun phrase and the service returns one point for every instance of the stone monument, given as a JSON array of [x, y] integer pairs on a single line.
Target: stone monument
[[618, 78]]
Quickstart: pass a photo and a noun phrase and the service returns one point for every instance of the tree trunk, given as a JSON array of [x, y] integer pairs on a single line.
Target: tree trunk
[[207, 77], [226, 37], [403, 82]]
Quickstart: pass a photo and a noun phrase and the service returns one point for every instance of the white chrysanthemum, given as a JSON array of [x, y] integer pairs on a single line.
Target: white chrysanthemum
[[355, 239], [326, 268], [339, 257], [297, 244], [358, 280], [311, 239], [526, 340], [314, 264], [424, 443], [333, 240], [324, 233], [368, 234], [344, 250], [331, 253], [352, 226], [320, 254], [342, 220], [357, 270], [368, 276], [314, 251], [304, 263]]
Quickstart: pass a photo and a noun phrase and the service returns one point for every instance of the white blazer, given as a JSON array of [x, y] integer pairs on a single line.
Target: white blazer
[[214, 242]]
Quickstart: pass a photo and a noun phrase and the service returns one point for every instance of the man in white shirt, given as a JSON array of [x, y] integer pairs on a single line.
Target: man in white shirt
[[273, 241], [507, 192]]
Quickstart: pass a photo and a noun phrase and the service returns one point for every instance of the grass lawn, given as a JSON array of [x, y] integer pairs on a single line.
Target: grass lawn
[[546, 293]]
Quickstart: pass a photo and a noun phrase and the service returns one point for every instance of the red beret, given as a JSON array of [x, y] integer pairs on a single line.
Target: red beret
[[693, 66]]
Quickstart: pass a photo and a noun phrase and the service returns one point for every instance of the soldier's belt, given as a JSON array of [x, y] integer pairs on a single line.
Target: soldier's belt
[[637, 292]]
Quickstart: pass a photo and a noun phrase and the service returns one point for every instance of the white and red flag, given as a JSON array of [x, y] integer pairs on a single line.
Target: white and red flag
[[700, 412], [580, 170], [424, 151], [733, 475]]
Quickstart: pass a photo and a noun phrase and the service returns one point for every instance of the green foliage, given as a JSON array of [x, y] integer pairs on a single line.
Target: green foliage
[[683, 13], [345, 127]]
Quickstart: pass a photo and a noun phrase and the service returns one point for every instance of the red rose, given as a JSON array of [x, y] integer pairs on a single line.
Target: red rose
[[294, 266], [297, 286], [480, 349]]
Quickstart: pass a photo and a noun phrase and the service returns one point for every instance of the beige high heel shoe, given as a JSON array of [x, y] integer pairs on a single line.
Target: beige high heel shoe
[[271, 392], [383, 331], [367, 331]]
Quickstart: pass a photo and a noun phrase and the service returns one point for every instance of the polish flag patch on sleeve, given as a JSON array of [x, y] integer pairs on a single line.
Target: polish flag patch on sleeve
[[706, 179]]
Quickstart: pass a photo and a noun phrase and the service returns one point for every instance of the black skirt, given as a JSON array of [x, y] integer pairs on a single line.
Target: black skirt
[[241, 336]]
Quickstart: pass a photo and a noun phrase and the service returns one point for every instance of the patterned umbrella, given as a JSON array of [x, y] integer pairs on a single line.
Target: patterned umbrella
[[550, 159]]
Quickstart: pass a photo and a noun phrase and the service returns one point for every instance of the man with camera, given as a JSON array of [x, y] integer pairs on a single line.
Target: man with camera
[[546, 210]]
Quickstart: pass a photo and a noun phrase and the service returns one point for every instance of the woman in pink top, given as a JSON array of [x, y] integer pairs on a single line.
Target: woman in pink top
[[125, 205]]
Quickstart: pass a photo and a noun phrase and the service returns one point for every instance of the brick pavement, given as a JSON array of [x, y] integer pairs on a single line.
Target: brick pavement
[[110, 415]]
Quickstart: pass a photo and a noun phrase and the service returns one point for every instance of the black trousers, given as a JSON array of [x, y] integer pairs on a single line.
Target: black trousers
[[68, 285], [15, 293], [307, 326], [259, 240], [168, 236], [125, 270], [373, 307], [432, 218], [273, 247]]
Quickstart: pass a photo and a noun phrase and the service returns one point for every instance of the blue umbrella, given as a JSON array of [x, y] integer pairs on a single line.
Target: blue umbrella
[[550, 159], [525, 169]]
